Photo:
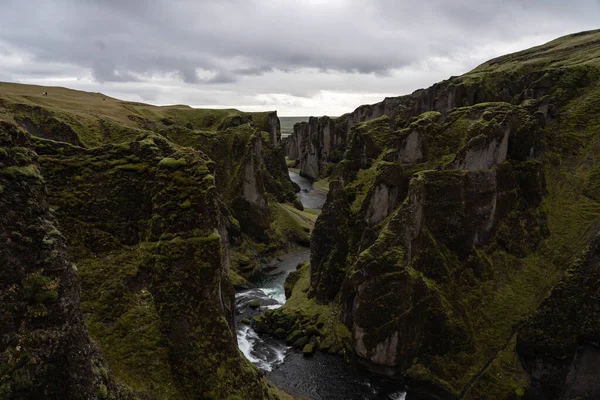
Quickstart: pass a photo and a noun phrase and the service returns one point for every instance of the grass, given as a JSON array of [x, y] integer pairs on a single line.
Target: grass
[[329, 315], [291, 224], [491, 300], [505, 375], [98, 119], [377, 130], [308, 216], [361, 185], [579, 48], [125, 324], [281, 394], [322, 184], [28, 171], [290, 164], [313, 211]]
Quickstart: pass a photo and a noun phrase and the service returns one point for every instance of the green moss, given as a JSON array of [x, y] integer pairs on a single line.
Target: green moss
[[172, 163], [148, 143], [299, 307], [290, 163], [290, 224], [420, 373], [40, 289], [132, 167], [125, 324], [308, 349], [186, 204], [360, 186], [28, 171], [280, 394], [502, 378], [486, 292], [254, 304], [117, 200], [322, 184], [102, 391]]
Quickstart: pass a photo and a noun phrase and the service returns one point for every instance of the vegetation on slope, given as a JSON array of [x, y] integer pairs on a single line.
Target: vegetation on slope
[[45, 350], [464, 217], [154, 228]]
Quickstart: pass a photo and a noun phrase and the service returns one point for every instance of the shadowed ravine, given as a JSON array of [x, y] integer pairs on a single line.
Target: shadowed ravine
[[317, 377]]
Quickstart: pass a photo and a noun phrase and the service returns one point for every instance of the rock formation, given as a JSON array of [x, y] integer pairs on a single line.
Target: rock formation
[[153, 210], [559, 343], [457, 209], [45, 351]]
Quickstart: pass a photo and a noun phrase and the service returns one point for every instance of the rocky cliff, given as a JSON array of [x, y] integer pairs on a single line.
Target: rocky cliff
[[559, 343], [157, 207], [513, 78], [457, 209], [45, 350]]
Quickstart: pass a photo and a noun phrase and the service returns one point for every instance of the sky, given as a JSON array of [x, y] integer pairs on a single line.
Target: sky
[[299, 57]]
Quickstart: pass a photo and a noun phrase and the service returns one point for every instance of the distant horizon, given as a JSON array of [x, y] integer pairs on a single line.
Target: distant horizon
[[308, 58]]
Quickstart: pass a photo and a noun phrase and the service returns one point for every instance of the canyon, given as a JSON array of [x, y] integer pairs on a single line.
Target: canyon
[[454, 255]]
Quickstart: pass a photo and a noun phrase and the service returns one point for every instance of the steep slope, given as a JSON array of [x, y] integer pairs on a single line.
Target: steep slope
[[145, 228], [467, 202], [250, 170], [159, 207], [45, 351], [559, 343], [513, 78]]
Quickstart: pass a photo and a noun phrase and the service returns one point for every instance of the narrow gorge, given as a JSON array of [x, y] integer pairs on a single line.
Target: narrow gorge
[[437, 245]]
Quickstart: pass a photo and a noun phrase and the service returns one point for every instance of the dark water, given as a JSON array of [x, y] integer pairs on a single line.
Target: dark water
[[309, 196], [320, 377]]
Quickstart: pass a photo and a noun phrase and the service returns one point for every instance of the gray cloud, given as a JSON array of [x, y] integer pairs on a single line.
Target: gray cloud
[[231, 44], [120, 39]]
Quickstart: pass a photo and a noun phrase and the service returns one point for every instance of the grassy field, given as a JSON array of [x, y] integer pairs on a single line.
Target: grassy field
[[92, 115]]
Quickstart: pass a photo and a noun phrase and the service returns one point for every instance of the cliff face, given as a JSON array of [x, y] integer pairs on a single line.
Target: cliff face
[[322, 141], [45, 351], [249, 162], [314, 143], [159, 207], [559, 343], [144, 224], [462, 205]]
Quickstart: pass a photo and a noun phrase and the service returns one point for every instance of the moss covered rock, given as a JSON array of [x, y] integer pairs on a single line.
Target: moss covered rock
[[461, 206], [151, 246], [559, 343], [45, 351]]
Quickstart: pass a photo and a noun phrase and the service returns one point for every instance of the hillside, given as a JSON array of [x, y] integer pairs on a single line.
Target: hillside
[[454, 213], [159, 210]]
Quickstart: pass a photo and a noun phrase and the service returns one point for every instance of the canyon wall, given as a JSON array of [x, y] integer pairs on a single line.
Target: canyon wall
[[456, 210], [150, 210]]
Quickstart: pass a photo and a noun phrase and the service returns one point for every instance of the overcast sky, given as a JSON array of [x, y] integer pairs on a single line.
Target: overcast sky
[[300, 57]]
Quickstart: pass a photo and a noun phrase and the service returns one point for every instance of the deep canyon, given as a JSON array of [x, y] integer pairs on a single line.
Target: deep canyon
[[437, 245]]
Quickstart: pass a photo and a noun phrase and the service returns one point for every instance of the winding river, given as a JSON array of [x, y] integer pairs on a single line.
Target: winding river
[[319, 377]]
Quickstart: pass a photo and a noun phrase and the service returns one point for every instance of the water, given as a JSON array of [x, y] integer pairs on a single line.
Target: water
[[320, 377], [265, 352], [308, 195]]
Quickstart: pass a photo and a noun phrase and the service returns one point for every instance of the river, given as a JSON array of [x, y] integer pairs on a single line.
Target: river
[[319, 377]]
